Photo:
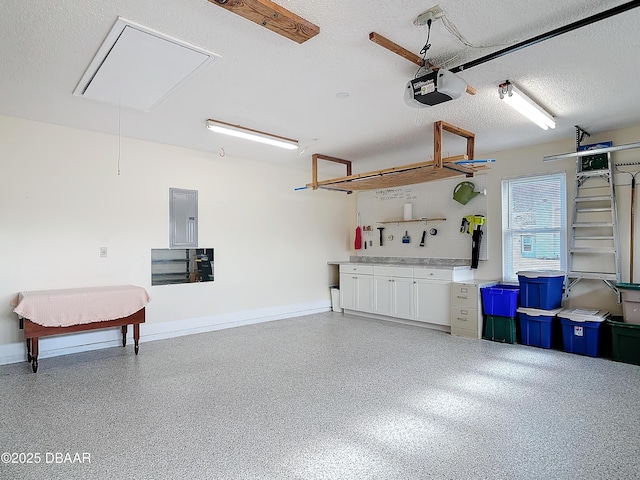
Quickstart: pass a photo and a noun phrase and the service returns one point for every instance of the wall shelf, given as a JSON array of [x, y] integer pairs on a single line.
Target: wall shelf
[[425, 220]]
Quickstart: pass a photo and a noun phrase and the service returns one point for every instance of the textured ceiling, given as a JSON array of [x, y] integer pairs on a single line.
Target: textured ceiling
[[264, 81]]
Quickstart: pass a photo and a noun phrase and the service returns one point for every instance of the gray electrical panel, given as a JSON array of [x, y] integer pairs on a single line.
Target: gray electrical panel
[[183, 218]]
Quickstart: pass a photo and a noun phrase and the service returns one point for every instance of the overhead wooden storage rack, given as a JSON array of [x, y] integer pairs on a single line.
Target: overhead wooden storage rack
[[427, 171]]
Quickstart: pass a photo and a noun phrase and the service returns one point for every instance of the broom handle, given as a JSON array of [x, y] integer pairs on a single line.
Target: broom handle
[[633, 195]]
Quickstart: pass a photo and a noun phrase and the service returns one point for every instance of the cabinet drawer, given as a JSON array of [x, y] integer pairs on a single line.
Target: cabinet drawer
[[433, 273], [464, 295], [464, 318], [355, 268], [463, 332], [393, 271]]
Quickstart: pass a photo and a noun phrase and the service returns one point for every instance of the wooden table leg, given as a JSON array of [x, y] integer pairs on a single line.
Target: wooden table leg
[[124, 335], [136, 336], [28, 350], [34, 354]]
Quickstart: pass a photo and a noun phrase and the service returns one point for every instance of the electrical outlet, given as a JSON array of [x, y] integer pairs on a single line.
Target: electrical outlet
[[433, 13], [103, 252]]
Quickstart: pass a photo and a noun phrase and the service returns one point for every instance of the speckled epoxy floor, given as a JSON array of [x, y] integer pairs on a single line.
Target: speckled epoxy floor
[[324, 396]]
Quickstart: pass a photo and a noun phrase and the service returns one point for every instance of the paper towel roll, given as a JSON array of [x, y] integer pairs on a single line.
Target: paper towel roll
[[408, 211]]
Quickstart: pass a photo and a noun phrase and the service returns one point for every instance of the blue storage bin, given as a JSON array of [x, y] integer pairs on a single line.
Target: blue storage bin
[[536, 326], [541, 289], [500, 300], [581, 330]]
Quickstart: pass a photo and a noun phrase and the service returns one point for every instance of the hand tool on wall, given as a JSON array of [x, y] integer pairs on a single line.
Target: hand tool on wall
[[424, 234], [464, 226], [475, 229], [381, 230], [475, 246], [471, 222], [406, 238]]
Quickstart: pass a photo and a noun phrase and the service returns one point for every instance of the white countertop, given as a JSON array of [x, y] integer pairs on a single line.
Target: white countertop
[[440, 263]]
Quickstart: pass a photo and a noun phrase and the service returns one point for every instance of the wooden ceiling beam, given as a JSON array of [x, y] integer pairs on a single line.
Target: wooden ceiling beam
[[397, 49], [406, 54], [273, 17]]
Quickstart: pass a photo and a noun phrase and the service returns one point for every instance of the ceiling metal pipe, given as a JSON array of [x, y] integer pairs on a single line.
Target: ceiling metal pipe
[[545, 36]]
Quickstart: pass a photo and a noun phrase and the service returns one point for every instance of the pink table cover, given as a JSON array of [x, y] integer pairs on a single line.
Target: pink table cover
[[76, 306]]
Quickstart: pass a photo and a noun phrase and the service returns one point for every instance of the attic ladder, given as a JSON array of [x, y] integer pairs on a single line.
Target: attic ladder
[[594, 248]]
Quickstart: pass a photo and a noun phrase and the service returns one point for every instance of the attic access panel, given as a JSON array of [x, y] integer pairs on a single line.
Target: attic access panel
[[138, 67]]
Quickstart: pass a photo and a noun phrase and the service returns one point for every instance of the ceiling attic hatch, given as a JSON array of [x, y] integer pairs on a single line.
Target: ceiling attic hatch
[[138, 67]]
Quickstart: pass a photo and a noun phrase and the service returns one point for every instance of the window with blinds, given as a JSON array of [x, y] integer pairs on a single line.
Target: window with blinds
[[534, 224]]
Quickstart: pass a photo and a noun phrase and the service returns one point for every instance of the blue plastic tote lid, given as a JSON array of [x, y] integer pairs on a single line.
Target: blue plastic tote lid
[[542, 273], [582, 315], [535, 312]]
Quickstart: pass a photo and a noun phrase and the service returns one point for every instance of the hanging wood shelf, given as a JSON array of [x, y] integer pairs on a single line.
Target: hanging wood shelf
[[436, 169]]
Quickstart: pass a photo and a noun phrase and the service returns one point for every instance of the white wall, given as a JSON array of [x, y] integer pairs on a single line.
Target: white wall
[[528, 161], [430, 200], [61, 199]]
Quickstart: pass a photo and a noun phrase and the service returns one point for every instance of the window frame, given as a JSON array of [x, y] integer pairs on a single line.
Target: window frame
[[509, 232]]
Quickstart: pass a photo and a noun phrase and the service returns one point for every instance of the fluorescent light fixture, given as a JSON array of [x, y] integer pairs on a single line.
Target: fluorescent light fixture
[[251, 134], [523, 104]]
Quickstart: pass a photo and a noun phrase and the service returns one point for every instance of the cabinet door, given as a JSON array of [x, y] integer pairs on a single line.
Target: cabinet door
[[364, 293], [393, 296], [383, 295], [432, 301], [348, 291], [403, 298], [356, 292]]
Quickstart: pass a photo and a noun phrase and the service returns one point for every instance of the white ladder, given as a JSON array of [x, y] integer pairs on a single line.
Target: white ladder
[[594, 248]]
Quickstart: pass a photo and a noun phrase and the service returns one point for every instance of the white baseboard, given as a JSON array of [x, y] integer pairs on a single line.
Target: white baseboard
[[94, 340]]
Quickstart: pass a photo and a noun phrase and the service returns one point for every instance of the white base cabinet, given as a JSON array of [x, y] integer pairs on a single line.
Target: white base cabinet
[[393, 291], [430, 306], [410, 293], [356, 288]]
